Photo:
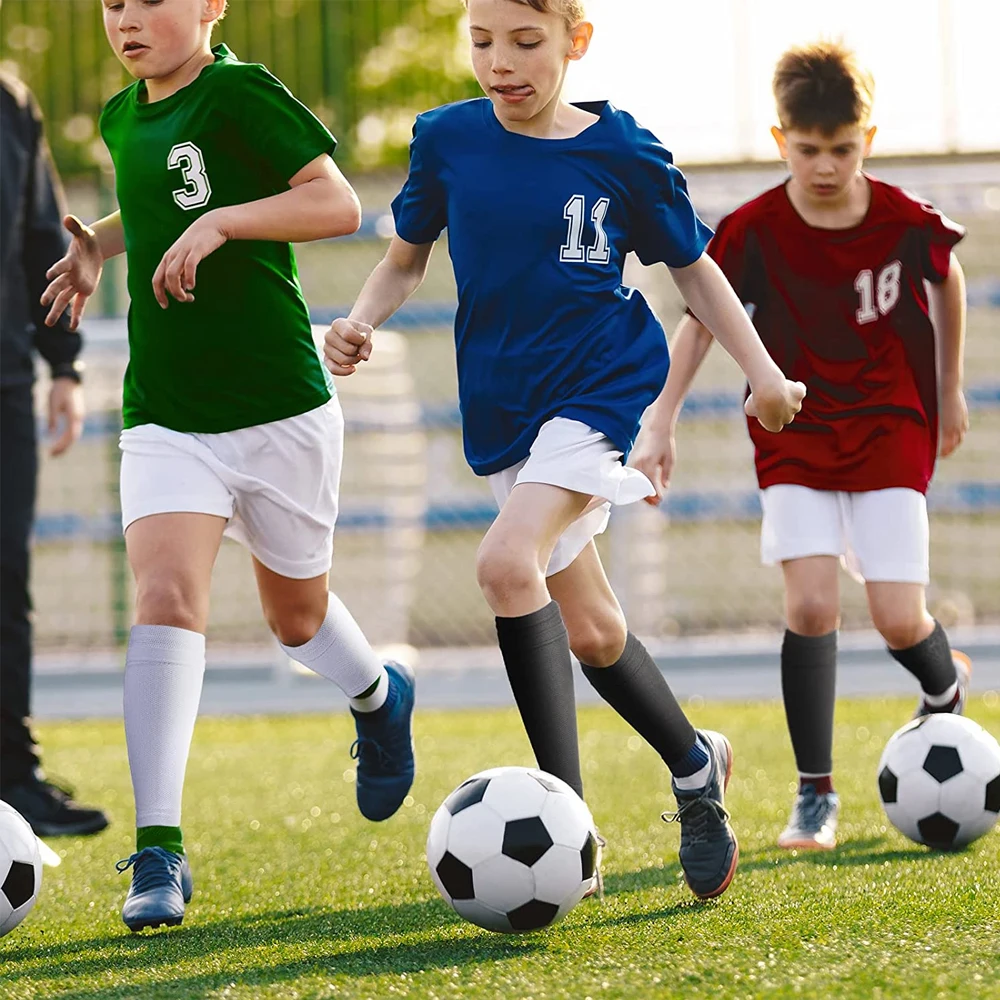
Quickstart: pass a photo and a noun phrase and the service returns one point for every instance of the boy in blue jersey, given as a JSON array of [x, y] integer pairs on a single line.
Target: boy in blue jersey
[[556, 362], [230, 424]]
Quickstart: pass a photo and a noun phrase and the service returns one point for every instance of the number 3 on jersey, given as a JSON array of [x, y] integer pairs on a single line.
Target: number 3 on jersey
[[197, 190], [883, 292], [573, 249]]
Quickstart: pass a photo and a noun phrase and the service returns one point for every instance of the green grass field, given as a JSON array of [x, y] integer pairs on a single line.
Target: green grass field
[[296, 896]]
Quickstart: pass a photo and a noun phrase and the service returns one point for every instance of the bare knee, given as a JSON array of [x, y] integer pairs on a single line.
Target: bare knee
[[295, 624], [598, 642], [812, 614], [167, 600], [504, 572], [901, 631]]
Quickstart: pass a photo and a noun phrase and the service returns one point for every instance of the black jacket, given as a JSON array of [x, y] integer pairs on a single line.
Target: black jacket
[[32, 239]]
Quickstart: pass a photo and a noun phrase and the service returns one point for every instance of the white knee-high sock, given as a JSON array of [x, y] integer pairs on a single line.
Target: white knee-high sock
[[340, 652], [164, 669]]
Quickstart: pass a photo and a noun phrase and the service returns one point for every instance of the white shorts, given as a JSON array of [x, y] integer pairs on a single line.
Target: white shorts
[[570, 454], [882, 536], [277, 484]]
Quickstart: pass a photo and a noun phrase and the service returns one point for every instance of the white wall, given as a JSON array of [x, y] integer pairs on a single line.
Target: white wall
[[699, 73]]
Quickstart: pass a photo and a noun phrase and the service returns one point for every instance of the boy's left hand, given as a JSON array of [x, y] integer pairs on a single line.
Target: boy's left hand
[[953, 421], [177, 271], [774, 402]]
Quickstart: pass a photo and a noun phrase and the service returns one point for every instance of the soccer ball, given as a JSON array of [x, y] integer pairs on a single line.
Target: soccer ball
[[20, 868], [939, 781], [512, 849]]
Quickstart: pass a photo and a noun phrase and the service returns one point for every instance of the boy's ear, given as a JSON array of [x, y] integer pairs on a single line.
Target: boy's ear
[[213, 10], [579, 38], [779, 138], [869, 139]]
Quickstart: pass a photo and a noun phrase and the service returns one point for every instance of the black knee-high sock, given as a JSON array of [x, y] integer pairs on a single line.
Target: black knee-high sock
[[634, 687], [535, 651], [929, 661], [809, 688]]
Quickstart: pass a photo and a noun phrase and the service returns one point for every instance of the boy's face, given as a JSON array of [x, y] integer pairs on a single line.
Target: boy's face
[[822, 165], [153, 38], [520, 55]]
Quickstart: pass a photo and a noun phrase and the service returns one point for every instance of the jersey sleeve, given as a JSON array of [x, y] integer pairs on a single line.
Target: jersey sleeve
[[420, 210], [938, 235], [665, 226], [282, 130], [728, 248]]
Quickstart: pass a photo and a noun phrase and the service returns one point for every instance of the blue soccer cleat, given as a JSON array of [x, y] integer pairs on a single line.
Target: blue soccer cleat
[[161, 885], [709, 852], [813, 823], [384, 748]]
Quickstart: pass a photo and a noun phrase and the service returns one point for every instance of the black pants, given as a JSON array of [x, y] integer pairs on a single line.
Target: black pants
[[18, 484]]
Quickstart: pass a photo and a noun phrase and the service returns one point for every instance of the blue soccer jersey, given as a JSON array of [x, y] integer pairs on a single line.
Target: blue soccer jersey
[[538, 230]]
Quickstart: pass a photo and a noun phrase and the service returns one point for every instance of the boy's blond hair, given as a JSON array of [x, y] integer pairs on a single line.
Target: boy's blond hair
[[822, 86], [571, 11]]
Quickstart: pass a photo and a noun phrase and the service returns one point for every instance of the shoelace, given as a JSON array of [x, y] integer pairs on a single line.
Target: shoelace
[[812, 810], [696, 817], [149, 876], [380, 760]]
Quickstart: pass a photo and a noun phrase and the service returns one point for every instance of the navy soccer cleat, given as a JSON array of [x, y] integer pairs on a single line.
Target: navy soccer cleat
[[384, 748], [813, 823], [161, 885], [709, 852]]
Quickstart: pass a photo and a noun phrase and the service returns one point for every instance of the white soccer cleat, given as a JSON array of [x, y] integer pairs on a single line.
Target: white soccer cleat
[[813, 823]]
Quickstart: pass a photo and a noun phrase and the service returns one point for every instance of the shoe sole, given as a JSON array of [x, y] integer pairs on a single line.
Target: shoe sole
[[724, 885], [153, 923], [67, 829], [804, 844]]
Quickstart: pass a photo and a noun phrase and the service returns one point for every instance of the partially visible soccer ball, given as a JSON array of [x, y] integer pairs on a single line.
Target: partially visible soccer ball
[[20, 868], [939, 781], [512, 849]]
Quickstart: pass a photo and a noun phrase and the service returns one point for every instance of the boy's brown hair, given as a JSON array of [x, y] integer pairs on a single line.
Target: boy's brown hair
[[571, 11], [821, 86]]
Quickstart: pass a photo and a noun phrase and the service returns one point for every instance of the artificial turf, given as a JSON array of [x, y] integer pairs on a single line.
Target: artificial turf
[[297, 896]]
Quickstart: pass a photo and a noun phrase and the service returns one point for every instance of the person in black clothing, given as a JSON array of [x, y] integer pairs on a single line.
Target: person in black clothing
[[31, 238]]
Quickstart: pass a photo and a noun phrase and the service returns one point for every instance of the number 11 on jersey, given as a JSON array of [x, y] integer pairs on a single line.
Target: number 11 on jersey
[[573, 249]]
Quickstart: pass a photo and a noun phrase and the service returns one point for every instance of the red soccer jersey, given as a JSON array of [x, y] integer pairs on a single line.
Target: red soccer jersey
[[845, 311]]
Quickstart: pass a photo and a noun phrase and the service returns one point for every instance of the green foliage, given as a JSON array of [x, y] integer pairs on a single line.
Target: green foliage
[[296, 896], [363, 66]]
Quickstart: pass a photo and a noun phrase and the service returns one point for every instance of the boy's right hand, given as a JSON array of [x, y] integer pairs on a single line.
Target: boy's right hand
[[74, 278], [347, 343], [775, 402], [653, 455]]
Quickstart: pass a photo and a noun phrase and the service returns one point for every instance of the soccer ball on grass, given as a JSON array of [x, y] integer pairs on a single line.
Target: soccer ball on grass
[[512, 849], [939, 781]]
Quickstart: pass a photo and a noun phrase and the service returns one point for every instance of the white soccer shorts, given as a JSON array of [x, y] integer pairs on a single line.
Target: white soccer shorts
[[277, 484], [570, 454], [881, 536]]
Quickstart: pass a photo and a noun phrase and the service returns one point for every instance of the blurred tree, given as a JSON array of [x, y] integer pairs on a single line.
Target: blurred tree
[[366, 67], [417, 64]]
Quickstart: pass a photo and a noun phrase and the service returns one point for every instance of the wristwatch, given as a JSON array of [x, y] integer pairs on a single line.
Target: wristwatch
[[69, 369]]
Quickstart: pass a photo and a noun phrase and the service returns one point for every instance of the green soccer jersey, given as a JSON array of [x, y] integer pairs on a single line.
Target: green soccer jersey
[[242, 353]]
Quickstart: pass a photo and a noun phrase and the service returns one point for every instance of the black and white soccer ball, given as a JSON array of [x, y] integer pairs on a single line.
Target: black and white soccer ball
[[939, 781], [20, 868], [512, 849]]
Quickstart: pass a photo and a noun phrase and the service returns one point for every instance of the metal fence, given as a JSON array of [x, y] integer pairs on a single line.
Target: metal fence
[[413, 514]]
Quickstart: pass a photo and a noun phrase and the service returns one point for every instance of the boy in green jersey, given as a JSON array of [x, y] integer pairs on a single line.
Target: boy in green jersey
[[230, 423]]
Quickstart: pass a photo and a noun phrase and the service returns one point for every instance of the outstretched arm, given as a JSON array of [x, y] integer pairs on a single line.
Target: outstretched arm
[[319, 204], [395, 278], [947, 304], [773, 400], [655, 449]]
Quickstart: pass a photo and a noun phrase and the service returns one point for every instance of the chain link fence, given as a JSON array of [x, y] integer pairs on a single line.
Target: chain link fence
[[413, 514]]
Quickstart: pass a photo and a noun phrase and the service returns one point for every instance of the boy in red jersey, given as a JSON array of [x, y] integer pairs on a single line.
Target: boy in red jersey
[[843, 275]]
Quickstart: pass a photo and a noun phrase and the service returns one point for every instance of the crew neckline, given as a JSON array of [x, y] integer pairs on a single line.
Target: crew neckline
[[863, 221], [580, 139], [220, 51]]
